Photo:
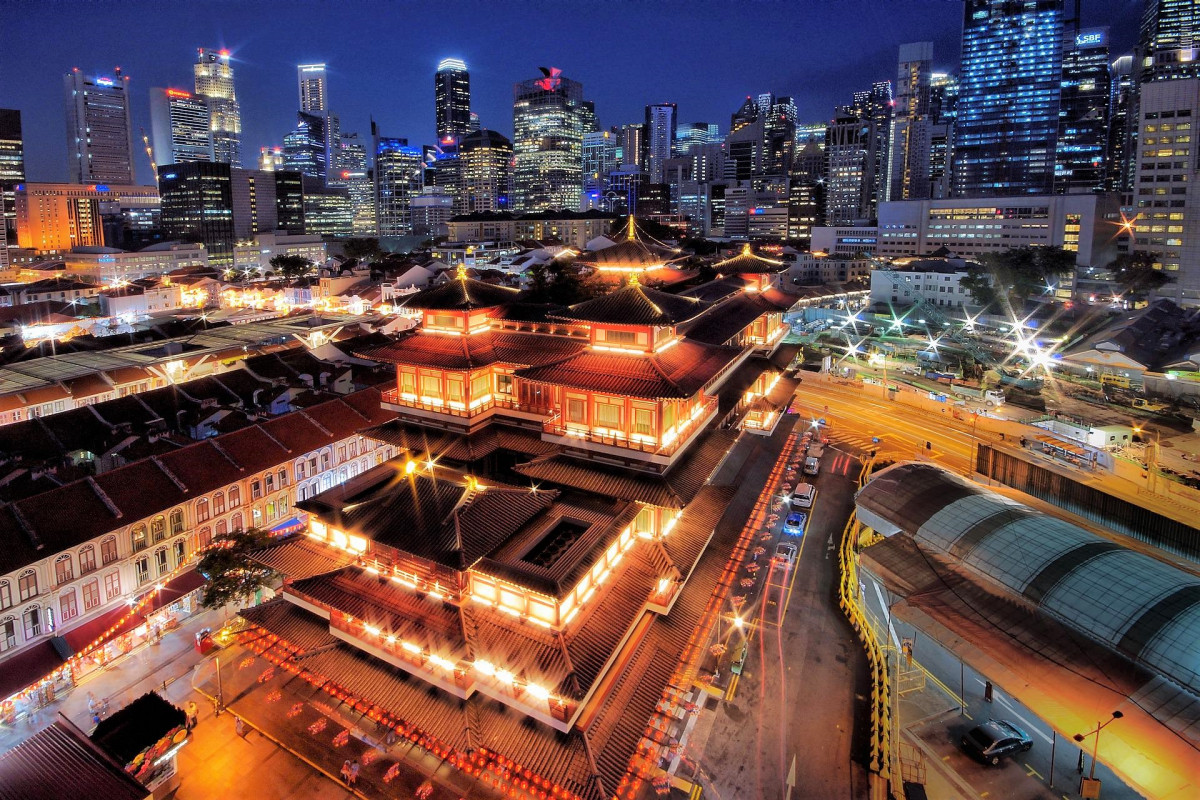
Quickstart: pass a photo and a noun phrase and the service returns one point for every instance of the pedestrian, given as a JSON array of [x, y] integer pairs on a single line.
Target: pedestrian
[[91, 701], [193, 714], [95, 717], [240, 727], [346, 771], [987, 691], [353, 772], [390, 739]]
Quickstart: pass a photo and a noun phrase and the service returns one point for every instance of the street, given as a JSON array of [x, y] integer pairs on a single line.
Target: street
[[802, 691]]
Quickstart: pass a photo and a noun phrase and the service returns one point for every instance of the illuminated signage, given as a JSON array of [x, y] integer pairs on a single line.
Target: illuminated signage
[[169, 175], [1095, 37], [104, 81], [178, 93], [100, 187]]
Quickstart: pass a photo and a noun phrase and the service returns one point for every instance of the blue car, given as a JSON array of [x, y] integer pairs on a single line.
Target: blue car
[[795, 522]]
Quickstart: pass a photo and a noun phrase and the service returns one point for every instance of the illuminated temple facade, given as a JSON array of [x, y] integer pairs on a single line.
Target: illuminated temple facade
[[520, 583]]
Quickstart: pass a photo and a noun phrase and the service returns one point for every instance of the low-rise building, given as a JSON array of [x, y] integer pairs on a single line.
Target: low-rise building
[[110, 265], [573, 229], [1087, 224], [811, 269], [76, 558], [137, 300], [63, 290], [937, 281], [845, 240], [254, 255]]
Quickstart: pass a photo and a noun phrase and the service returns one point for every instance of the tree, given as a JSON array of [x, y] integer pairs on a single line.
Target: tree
[[232, 576], [291, 266], [1010, 277], [1136, 274], [365, 249]]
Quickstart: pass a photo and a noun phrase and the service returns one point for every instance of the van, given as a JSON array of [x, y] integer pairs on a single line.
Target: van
[[804, 494], [812, 466]]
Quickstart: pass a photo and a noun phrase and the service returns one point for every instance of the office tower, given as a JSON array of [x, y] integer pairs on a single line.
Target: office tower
[[444, 170], [805, 198], [327, 209], [660, 138], [599, 159], [850, 154], [587, 117], [431, 209], [1008, 103], [943, 97], [218, 205], [53, 218], [356, 178], [1082, 147], [399, 171], [1121, 155], [744, 151], [487, 172], [909, 156], [779, 133], [214, 82], [12, 171], [305, 148], [1165, 190], [181, 127], [474, 125], [633, 145], [311, 79], [747, 114], [270, 159], [452, 99], [548, 128], [708, 161], [691, 133], [1168, 41], [99, 128]]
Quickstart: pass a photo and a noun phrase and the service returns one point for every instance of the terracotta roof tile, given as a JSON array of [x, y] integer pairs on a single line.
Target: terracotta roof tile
[[461, 294], [634, 304], [480, 350], [299, 557]]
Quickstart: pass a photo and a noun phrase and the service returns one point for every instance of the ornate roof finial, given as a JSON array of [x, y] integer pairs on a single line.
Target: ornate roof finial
[[746, 249], [461, 272], [631, 233], [633, 279]]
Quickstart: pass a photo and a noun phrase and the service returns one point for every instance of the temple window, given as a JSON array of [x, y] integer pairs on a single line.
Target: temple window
[[608, 415], [577, 410]]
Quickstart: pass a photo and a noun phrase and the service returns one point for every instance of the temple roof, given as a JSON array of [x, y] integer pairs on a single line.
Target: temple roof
[[632, 254], [634, 304], [461, 294], [747, 262], [677, 372], [445, 351], [724, 321]]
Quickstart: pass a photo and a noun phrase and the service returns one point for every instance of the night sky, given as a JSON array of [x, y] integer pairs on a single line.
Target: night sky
[[704, 56]]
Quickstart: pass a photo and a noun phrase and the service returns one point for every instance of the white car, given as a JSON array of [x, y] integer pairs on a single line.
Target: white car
[[785, 553]]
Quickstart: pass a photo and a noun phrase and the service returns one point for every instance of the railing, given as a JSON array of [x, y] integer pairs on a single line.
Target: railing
[[394, 397], [557, 427]]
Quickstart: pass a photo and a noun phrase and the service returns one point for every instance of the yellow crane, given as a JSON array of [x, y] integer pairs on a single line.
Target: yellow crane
[[150, 154]]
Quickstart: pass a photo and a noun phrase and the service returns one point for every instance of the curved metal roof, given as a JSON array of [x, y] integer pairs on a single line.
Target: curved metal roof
[[1142, 607]]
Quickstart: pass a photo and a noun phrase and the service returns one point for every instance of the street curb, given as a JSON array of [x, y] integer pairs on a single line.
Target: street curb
[[935, 762]]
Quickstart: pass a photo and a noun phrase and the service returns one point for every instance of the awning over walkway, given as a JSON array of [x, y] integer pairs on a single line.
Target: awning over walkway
[[28, 667]]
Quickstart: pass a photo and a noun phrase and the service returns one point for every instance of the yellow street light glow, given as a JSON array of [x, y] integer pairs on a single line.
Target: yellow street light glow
[[410, 467], [540, 692], [485, 667], [738, 622]]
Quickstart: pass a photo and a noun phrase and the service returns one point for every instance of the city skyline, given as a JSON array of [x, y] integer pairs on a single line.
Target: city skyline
[[611, 69]]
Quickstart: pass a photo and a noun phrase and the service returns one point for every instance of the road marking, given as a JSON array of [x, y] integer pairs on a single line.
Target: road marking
[[965, 714], [1032, 772], [883, 607], [1016, 714], [732, 687]]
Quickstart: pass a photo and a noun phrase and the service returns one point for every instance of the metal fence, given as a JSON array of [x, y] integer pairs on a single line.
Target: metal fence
[[1088, 502]]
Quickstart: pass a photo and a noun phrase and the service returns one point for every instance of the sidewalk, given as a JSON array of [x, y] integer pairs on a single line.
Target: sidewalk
[[149, 667]]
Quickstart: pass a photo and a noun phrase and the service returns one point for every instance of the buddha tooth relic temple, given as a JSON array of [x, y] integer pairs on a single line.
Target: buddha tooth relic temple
[[517, 590]]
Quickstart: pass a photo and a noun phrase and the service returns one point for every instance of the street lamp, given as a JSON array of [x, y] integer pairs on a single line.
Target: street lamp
[[1079, 737]]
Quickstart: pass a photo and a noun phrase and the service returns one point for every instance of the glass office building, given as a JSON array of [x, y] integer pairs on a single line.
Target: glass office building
[[1081, 163], [399, 176], [1008, 105], [214, 82], [548, 128], [452, 99]]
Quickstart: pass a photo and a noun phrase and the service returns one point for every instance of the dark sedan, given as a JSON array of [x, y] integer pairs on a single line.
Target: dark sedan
[[994, 740]]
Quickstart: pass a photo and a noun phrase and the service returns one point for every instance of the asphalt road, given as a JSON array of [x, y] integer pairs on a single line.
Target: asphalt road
[[1027, 775], [803, 687]]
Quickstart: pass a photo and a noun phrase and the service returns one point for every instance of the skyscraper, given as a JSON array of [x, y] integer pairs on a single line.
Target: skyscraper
[[1009, 98], [1121, 156], [632, 145], [214, 83], [399, 171], [486, 172], [99, 128], [779, 134], [305, 148], [599, 159], [452, 99], [910, 140], [660, 138], [1168, 41], [850, 156], [313, 95], [1082, 147], [690, 133], [12, 171], [181, 127], [548, 127], [353, 174]]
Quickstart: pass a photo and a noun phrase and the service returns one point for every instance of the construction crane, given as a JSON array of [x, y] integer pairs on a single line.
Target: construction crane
[[150, 154]]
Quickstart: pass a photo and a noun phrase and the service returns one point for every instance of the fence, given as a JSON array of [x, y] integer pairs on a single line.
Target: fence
[[1088, 502]]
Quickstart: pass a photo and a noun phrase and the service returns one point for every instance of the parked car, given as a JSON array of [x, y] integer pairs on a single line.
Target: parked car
[[795, 522], [812, 466], [994, 740], [803, 495], [786, 553]]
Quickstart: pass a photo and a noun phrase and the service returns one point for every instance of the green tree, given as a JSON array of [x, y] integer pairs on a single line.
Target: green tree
[[291, 266], [1010, 277], [365, 249], [1136, 274], [232, 576]]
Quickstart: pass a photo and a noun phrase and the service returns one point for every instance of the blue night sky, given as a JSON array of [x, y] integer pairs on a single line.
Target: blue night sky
[[704, 56]]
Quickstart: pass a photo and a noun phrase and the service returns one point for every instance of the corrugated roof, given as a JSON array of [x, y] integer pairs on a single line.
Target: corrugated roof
[[40, 767]]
